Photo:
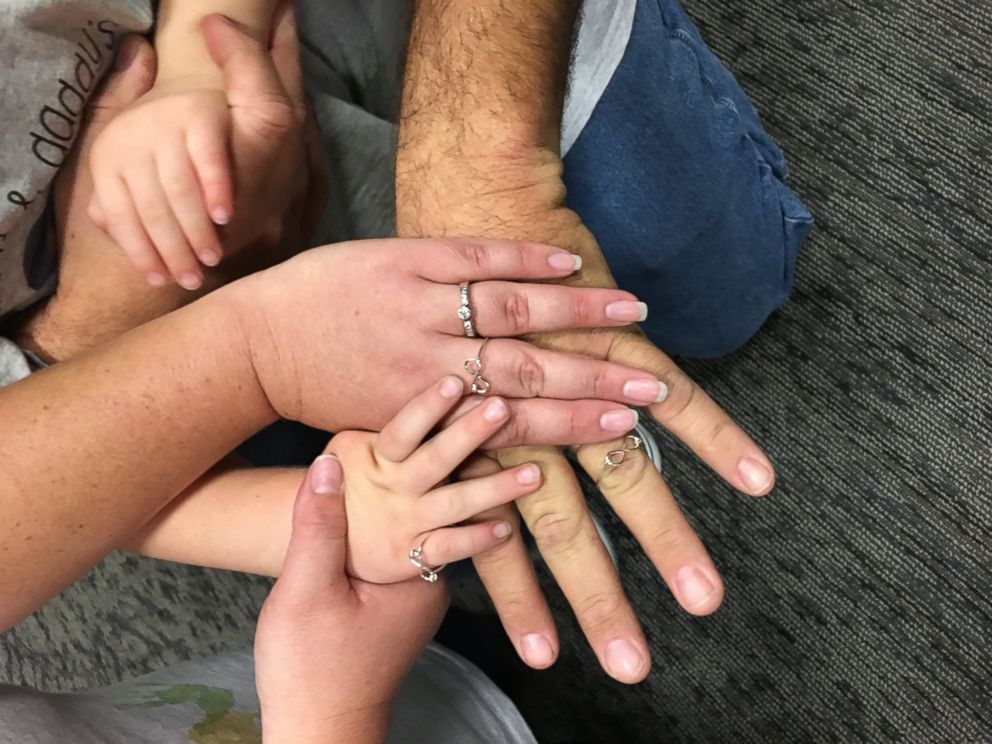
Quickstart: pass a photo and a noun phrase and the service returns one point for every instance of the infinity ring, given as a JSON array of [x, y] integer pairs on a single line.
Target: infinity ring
[[480, 385], [465, 310], [430, 574]]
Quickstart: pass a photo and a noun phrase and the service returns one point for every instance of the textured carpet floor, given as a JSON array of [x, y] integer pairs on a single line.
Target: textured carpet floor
[[858, 593]]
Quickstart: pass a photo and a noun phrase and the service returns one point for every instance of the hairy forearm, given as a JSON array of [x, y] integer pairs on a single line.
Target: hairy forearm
[[179, 43], [94, 447], [233, 518]]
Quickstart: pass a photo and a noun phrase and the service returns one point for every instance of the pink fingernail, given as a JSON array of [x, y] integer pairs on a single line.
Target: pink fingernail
[[190, 281], [156, 279], [627, 310], [756, 476], [501, 530], [325, 475], [220, 216], [528, 475], [537, 650], [496, 410], [210, 258], [646, 391], [451, 387], [621, 420], [565, 261], [623, 661], [694, 587]]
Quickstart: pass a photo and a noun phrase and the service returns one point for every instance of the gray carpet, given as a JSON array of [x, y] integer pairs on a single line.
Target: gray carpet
[[858, 593]]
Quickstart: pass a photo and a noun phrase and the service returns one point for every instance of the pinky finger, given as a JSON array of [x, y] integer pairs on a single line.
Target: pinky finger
[[452, 544], [212, 163], [123, 226]]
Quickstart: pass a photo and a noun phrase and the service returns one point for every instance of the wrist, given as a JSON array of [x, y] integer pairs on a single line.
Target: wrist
[[365, 726]]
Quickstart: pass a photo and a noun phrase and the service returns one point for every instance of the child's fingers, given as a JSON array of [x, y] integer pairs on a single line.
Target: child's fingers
[[181, 187], [121, 223], [161, 226], [212, 163], [401, 436], [437, 458], [451, 544], [465, 499]]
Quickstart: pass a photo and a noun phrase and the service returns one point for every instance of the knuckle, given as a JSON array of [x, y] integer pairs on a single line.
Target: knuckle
[[681, 393], [516, 309], [530, 375], [475, 255], [555, 530], [626, 481], [600, 609]]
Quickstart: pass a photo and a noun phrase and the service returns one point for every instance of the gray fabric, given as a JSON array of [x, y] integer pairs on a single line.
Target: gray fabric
[[445, 700], [14, 365], [52, 54]]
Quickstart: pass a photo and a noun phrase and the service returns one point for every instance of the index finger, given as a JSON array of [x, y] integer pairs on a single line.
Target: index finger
[[454, 260]]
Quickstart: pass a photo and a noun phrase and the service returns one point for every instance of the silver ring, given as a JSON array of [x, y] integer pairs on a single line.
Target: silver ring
[[465, 310], [480, 385], [430, 574], [615, 458]]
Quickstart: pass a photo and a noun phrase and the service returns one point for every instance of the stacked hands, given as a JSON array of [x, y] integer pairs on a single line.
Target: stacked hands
[[566, 365]]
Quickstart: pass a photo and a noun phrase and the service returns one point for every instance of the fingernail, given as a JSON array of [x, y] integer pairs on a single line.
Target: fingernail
[[565, 261], [495, 410], [190, 281], [325, 475], [694, 587], [210, 258], [528, 475], [502, 530], [156, 280], [451, 387], [647, 391], [537, 650], [621, 420], [126, 53], [757, 476], [627, 310], [220, 216], [623, 661]]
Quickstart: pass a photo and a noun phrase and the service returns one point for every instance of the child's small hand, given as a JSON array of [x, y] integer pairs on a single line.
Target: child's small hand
[[395, 491], [162, 179]]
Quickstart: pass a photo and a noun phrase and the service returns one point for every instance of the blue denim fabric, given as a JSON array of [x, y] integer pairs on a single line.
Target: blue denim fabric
[[685, 191]]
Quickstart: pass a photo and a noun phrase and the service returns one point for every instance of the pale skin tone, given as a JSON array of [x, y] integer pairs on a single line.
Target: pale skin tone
[[479, 155], [160, 198]]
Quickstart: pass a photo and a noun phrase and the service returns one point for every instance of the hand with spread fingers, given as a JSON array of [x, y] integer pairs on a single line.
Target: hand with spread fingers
[[405, 517]]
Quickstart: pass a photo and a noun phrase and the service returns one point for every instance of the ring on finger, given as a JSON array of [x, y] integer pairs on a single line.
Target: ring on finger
[[430, 574], [480, 385], [465, 309]]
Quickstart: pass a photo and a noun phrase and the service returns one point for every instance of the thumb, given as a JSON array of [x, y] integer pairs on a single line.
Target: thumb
[[249, 73], [132, 75], [317, 552]]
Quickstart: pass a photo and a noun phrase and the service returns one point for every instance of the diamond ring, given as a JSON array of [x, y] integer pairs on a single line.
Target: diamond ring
[[465, 310]]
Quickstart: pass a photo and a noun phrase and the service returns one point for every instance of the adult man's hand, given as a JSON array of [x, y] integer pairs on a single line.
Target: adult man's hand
[[479, 156]]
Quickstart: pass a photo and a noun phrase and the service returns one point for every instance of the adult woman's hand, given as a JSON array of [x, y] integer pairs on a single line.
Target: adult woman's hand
[[331, 651], [343, 336]]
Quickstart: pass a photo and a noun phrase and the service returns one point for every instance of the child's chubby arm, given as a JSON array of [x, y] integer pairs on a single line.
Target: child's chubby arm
[[396, 489], [162, 169]]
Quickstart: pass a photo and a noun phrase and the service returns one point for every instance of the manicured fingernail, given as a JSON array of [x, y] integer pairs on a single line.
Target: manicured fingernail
[[757, 476], [501, 530], [528, 475], [565, 261], [627, 310], [210, 258], [190, 281], [647, 391], [451, 387], [156, 280], [325, 475], [537, 650], [220, 216], [694, 587], [495, 410], [621, 420], [623, 661]]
